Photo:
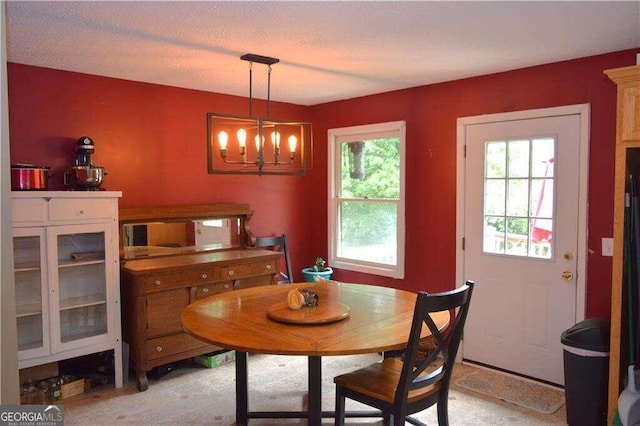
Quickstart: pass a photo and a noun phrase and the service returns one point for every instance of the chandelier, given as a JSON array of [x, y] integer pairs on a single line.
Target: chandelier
[[257, 145]]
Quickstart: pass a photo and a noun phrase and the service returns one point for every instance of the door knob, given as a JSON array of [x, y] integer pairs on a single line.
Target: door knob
[[567, 276]]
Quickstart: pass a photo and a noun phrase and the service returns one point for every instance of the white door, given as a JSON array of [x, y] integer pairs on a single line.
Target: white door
[[521, 234]]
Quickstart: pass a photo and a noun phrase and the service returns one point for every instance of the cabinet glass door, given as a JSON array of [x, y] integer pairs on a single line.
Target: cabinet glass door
[[31, 296], [81, 284]]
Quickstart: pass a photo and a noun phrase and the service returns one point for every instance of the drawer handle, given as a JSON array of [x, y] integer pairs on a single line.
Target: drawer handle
[[268, 266], [205, 290], [204, 276], [226, 286], [230, 272], [158, 282], [158, 348], [81, 212]]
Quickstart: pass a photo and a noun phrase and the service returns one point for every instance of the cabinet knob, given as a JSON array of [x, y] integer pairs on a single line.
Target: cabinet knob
[[226, 286], [269, 267], [230, 272], [205, 290], [81, 212], [204, 276], [158, 282], [158, 348]]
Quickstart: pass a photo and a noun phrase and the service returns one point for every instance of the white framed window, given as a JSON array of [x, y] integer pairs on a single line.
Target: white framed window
[[366, 198]]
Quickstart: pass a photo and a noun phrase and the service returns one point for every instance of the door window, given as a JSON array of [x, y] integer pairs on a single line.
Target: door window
[[519, 197]]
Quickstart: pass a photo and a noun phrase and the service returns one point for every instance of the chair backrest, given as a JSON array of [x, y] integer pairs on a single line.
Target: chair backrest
[[277, 243], [417, 371]]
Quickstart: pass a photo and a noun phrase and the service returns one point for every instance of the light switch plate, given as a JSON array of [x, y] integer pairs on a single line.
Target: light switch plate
[[607, 246]]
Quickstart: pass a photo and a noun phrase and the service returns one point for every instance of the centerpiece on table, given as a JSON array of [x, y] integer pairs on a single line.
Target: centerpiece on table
[[318, 270], [296, 299]]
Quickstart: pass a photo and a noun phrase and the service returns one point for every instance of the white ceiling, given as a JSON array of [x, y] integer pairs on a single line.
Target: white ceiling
[[328, 50]]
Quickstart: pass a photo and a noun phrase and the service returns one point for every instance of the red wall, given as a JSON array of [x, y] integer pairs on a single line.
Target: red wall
[[431, 113], [151, 140]]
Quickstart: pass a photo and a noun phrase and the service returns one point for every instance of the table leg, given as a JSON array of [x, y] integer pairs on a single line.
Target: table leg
[[315, 390], [242, 389]]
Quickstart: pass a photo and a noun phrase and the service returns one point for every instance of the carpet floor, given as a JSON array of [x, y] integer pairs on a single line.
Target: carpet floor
[[195, 395]]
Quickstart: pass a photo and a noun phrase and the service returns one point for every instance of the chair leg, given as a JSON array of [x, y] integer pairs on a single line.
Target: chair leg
[[339, 407], [443, 414], [396, 416]]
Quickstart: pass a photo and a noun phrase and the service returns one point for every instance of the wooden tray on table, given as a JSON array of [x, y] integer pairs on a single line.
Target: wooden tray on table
[[327, 311]]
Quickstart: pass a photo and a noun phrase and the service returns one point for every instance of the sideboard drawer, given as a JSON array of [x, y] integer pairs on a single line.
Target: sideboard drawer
[[162, 282], [207, 290], [29, 210], [170, 345], [254, 282], [70, 209], [234, 272]]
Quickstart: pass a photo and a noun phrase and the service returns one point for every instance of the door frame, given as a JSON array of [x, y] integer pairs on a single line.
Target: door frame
[[583, 110]]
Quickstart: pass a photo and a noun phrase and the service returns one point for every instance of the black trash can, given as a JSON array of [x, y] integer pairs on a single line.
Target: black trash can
[[586, 371]]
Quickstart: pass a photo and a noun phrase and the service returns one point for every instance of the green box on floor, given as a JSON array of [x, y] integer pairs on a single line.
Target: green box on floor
[[216, 359]]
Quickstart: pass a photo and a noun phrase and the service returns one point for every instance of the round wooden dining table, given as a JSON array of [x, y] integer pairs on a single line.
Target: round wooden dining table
[[349, 319]]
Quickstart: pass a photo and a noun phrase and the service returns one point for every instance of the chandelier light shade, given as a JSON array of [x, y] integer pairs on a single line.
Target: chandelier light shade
[[256, 145]]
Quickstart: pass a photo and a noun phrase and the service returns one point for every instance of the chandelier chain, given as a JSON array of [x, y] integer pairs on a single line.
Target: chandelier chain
[[250, 89], [268, 90]]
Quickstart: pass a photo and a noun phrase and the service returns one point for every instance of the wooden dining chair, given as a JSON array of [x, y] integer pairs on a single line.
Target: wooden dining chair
[[277, 243], [399, 387]]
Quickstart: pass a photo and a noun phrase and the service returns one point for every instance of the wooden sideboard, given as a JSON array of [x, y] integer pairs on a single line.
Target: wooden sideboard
[[155, 289]]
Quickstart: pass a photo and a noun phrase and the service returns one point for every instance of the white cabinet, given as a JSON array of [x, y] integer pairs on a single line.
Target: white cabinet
[[66, 265]]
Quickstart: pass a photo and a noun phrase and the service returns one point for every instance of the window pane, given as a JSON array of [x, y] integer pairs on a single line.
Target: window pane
[[371, 169], [517, 236], [542, 198], [541, 238], [542, 230], [518, 158], [368, 231], [496, 159], [494, 235], [542, 155], [494, 197], [518, 197]]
